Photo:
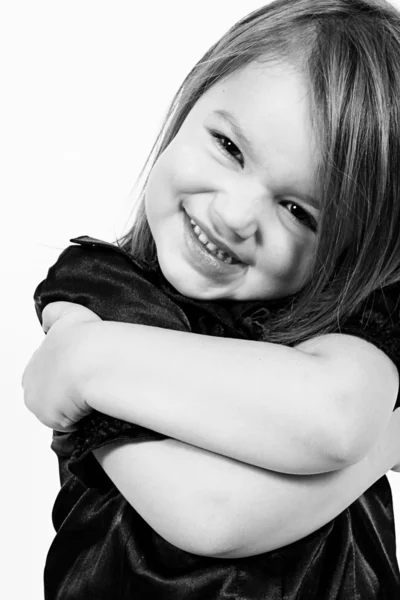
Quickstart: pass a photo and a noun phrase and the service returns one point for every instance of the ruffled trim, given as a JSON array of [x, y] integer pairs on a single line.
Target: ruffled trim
[[95, 431]]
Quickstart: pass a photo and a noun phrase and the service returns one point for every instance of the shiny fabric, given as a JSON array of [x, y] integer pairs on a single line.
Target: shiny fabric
[[104, 550]]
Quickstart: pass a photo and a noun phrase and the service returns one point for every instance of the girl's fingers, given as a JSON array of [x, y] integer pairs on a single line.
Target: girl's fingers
[[56, 310]]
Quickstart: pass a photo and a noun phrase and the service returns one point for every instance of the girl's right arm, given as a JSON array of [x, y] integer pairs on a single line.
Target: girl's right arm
[[311, 409], [208, 504]]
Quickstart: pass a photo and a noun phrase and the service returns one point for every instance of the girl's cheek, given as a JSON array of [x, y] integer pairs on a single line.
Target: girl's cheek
[[191, 167], [155, 181], [287, 256]]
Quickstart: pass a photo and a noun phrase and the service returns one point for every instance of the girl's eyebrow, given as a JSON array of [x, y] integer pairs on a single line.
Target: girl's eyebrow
[[245, 143]]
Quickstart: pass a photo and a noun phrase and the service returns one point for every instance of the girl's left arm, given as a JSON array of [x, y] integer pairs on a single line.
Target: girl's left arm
[[212, 505], [310, 409]]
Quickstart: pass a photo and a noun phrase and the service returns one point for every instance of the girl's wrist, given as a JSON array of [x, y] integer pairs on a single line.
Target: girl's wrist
[[85, 365], [99, 376]]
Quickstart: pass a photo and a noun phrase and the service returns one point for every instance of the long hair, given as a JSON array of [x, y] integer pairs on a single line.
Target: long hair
[[350, 52]]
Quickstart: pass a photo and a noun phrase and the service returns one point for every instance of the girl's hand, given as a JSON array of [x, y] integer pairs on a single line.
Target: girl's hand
[[55, 311], [51, 378]]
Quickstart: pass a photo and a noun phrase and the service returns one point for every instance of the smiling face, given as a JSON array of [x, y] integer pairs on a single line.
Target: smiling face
[[231, 200]]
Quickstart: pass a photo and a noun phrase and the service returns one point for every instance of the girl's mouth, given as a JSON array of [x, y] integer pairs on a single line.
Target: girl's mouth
[[208, 255], [212, 248]]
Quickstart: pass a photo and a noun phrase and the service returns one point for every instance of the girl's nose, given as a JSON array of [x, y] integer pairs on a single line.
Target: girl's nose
[[232, 214]]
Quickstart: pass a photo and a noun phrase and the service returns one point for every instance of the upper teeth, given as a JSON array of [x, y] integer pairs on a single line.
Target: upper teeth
[[221, 254]]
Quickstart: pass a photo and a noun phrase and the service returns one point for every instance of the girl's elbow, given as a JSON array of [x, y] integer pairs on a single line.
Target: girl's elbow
[[198, 541], [208, 544], [350, 451], [206, 534], [365, 401], [354, 439]]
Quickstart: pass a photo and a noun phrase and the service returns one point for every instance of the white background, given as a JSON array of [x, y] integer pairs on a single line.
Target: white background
[[85, 85]]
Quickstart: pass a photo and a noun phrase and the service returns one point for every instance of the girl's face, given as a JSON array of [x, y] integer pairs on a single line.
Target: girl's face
[[231, 202]]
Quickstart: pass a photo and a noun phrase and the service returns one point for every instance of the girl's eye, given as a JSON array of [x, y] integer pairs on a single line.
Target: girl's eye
[[300, 215], [228, 147]]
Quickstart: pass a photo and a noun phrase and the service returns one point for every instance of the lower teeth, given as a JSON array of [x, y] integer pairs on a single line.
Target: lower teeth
[[221, 255]]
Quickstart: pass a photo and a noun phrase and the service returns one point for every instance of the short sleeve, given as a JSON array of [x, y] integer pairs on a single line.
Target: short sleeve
[[378, 322], [104, 279]]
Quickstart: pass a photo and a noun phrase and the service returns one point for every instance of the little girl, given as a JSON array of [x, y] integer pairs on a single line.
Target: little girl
[[270, 214]]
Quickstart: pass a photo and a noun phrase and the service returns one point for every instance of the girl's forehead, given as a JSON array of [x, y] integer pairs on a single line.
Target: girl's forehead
[[263, 97], [262, 80]]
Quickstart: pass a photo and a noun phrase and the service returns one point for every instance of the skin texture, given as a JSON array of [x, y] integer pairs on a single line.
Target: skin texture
[[252, 201]]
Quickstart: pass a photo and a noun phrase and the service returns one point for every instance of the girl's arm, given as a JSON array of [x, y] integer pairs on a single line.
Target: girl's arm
[[211, 505], [310, 409], [304, 410], [207, 502]]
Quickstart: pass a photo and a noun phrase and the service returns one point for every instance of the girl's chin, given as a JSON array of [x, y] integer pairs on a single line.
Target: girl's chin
[[194, 286], [195, 283], [198, 291]]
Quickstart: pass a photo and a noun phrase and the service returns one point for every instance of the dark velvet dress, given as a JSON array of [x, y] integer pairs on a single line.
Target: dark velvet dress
[[104, 550]]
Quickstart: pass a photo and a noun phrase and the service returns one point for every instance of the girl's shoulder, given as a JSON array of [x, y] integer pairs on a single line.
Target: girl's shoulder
[[86, 244]]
